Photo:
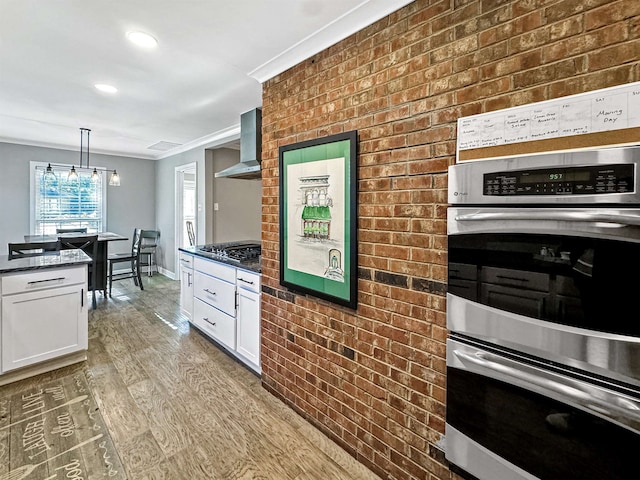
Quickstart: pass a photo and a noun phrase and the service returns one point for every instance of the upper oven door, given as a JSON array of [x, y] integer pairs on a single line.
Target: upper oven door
[[561, 284]]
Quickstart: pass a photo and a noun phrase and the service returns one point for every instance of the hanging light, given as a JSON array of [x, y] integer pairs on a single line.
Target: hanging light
[[73, 175], [114, 181], [95, 176], [49, 174]]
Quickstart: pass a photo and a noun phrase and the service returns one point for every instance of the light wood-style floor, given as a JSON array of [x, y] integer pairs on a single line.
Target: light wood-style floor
[[177, 407]]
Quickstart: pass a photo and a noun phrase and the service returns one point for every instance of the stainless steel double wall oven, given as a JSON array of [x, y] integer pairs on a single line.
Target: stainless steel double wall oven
[[543, 308]]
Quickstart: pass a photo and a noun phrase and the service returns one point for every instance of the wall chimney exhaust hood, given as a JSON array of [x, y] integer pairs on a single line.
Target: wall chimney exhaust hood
[[250, 148]]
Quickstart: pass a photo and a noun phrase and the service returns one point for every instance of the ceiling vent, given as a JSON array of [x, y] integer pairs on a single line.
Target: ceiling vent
[[163, 146]]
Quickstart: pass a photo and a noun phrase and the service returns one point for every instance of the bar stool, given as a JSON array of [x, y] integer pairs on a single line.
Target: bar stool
[[148, 247]]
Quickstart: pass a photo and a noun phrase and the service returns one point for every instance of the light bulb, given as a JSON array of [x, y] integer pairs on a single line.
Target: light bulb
[[114, 181]]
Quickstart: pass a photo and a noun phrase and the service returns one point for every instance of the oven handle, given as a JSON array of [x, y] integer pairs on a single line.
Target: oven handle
[[617, 408], [564, 216]]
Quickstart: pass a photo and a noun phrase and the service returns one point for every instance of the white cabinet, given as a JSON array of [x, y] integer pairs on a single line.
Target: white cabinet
[[186, 285], [214, 304], [226, 307], [44, 315], [214, 323], [248, 317]]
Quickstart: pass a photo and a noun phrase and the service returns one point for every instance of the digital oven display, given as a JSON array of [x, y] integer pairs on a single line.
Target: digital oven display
[[563, 176], [592, 179]]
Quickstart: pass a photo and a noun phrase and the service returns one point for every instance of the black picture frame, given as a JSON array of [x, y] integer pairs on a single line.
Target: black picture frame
[[318, 218]]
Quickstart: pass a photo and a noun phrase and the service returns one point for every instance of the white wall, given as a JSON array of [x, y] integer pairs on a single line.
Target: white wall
[[239, 217], [129, 206], [239, 214]]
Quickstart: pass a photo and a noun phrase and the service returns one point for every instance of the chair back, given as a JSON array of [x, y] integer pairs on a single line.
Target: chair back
[[149, 239], [71, 230], [32, 249], [89, 245], [136, 242], [191, 233]]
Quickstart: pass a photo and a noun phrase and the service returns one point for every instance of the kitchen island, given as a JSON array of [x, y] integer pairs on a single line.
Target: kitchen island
[[43, 313], [221, 297]]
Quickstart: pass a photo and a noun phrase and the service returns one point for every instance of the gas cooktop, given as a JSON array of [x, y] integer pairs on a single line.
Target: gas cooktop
[[235, 251]]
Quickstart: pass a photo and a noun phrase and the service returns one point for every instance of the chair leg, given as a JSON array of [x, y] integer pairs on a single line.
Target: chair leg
[[138, 275], [110, 277], [133, 271]]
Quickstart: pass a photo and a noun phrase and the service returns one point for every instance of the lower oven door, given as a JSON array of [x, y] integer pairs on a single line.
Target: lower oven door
[[511, 417]]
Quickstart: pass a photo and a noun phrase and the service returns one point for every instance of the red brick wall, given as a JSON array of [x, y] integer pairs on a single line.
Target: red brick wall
[[373, 379]]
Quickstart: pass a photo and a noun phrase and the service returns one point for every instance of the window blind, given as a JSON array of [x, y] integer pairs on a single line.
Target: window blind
[[60, 202]]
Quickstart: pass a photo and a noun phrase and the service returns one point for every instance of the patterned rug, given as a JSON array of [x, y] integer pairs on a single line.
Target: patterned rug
[[55, 431]]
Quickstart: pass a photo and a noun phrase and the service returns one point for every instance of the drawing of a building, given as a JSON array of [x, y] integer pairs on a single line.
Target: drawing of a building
[[316, 214]]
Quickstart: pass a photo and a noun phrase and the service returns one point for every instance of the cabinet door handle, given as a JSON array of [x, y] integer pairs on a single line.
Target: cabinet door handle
[[47, 280], [209, 291], [245, 281], [82, 297], [188, 280]]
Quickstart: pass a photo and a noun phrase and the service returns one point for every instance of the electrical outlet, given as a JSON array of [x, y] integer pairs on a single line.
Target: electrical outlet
[[215, 206]]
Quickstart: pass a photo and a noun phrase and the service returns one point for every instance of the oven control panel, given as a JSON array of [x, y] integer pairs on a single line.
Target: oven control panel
[[573, 180]]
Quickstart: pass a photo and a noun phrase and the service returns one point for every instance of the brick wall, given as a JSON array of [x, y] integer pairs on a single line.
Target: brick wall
[[373, 379]]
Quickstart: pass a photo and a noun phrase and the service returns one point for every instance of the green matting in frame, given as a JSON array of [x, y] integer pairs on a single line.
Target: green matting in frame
[[318, 218]]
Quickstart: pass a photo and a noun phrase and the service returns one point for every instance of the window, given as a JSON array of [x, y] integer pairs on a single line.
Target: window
[[60, 202]]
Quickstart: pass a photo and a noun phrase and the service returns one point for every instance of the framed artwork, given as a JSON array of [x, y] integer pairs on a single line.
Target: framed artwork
[[318, 224]]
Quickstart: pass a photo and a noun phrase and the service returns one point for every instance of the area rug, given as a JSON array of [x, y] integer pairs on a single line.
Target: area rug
[[56, 431]]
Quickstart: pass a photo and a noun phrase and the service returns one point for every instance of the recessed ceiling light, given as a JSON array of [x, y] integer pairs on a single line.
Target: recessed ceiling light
[[142, 39], [106, 88]]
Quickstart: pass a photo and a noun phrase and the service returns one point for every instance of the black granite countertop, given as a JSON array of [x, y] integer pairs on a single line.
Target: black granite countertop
[[62, 258], [252, 265]]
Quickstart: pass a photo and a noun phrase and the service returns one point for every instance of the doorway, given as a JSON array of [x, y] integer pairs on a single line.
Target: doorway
[[186, 206]]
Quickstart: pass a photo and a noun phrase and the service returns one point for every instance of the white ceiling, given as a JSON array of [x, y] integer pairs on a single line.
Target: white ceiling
[[190, 90]]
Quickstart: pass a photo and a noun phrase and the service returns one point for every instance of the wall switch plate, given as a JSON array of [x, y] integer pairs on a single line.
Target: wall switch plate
[[215, 206]]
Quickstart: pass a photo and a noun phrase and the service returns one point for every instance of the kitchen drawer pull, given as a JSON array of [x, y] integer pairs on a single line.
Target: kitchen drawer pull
[[184, 260], [245, 281], [209, 291], [57, 279], [206, 319]]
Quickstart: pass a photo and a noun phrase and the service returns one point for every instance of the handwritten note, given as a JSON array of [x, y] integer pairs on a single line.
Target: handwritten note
[[601, 110]]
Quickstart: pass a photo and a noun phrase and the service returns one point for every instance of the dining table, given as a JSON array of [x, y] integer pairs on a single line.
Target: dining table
[[101, 261]]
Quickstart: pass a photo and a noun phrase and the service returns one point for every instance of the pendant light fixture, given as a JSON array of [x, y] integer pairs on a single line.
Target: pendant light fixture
[[73, 175], [114, 181], [49, 173]]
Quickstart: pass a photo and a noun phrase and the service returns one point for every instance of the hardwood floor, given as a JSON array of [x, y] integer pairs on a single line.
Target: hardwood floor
[[177, 407]]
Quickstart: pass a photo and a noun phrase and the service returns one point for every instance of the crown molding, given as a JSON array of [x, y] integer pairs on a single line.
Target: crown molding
[[365, 14]]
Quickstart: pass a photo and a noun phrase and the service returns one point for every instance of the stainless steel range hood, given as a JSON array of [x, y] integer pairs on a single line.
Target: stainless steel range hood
[[250, 148]]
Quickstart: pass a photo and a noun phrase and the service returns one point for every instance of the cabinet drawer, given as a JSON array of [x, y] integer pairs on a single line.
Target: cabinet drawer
[[186, 260], [215, 269], [215, 323], [21, 282], [215, 292], [248, 280]]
